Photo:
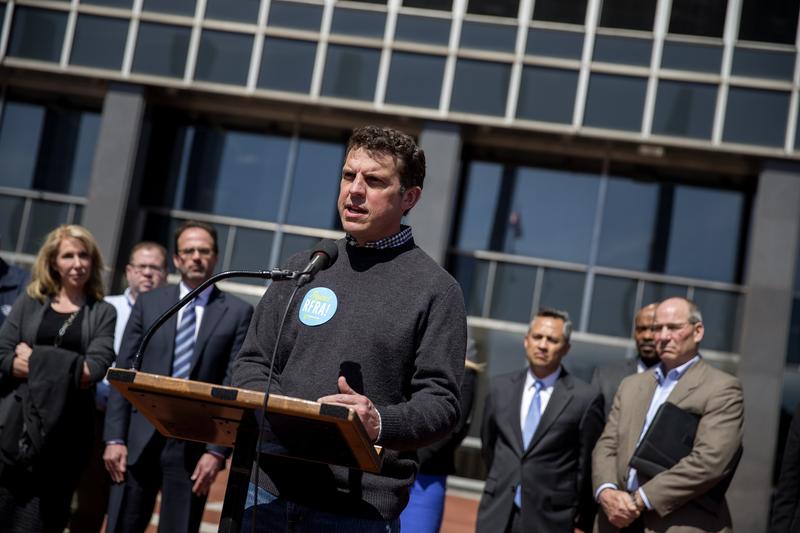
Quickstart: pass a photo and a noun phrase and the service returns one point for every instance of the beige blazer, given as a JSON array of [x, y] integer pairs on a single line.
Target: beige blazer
[[714, 395]]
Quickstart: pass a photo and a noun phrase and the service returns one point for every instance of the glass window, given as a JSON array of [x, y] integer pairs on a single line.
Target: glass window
[[19, 143], [573, 12], [10, 217], [657, 292], [444, 5], [358, 22], [685, 109], [161, 228], [317, 168], [43, 218], [426, 30], [504, 353], [487, 36], [415, 79], [480, 204], [223, 57], [763, 63], [175, 7], [471, 274], [563, 289], [756, 116], [772, 21], [547, 94], [287, 65], [615, 102], [629, 218], [613, 302], [554, 43], [76, 180], [495, 8], [251, 251], [239, 11], [691, 56], [161, 49], [351, 72], [698, 17], [293, 244], [628, 14], [99, 42], [512, 296], [720, 317], [480, 87], [2, 14], [294, 15], [126, 4], [584, 357], [37, 34], [628, 50]]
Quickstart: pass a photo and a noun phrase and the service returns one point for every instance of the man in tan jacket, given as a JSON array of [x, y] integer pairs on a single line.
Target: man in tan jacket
[[678, 499]]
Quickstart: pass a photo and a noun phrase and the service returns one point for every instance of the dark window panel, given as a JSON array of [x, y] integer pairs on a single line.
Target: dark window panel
[[487, 36], [482, 191], [75, 178], [627, 50], [238, 11], [657, 292], [223, 57], [426, 30], [351, 72], [512, 297], [628, 14], [292, 15], [441, 5], [44, 216], [173, 7], [691, 56], [573, 12], [293, 244], [685, 109], [480, 87], [471, 275], [2, 14], [547, 94], [756, 116], [615, 102], [37, 34], [161, 49], [358, 22], [99, 42], [698, 17], [415, 80], [555, 43], [629, 220], [125, 4], [10, 218], [317, 169], [763, 63], [612, 310], [161, 228], [793, 349], [495, 8], [563, 289], [20, 131], [772, 21], [287, 65], [251, 251], [720, 317]]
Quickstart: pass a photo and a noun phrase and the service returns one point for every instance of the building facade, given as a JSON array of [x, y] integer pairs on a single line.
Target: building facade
[[591, 155]]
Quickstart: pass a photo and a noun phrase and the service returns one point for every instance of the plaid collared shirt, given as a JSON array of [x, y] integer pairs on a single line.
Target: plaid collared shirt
[[392, 241]]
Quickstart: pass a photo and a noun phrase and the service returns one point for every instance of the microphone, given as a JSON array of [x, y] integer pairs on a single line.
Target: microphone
[[323, 256]]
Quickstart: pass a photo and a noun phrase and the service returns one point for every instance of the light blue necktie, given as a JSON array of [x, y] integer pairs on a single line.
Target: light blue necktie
[[528, 430], [184, 343]]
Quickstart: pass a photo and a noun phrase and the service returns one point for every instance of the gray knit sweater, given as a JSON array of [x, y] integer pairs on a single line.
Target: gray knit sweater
[[400, 321]]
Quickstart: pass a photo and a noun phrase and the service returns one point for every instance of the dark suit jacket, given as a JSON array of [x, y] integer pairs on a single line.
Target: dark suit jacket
[[785, 508], [607, 379], [556, 491], [222, 330]]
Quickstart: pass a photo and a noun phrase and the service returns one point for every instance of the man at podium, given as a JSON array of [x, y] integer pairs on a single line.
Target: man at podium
[[389, 344]]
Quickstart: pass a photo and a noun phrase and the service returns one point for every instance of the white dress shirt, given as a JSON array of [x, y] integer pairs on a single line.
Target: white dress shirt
[[528, 391]]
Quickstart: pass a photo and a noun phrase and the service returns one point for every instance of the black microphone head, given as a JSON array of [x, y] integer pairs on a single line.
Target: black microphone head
[[327, 247]]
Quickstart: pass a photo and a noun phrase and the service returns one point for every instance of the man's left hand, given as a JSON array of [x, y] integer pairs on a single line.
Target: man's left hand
[[360, 404], [205, 473]]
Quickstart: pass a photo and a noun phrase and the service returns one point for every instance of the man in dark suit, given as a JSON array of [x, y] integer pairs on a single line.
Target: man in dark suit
[[608, 378], [786, 504], [539, 427], [209, 332]]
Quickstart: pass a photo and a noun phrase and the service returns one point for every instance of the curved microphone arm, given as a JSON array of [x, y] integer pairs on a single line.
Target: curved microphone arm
[[274, 274]]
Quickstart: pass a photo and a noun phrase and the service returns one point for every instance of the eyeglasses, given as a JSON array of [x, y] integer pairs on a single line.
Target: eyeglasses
[[189, 252], [144, 268]]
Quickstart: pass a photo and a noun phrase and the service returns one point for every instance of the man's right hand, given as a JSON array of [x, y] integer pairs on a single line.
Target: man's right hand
[[115, 458], [619, 507]]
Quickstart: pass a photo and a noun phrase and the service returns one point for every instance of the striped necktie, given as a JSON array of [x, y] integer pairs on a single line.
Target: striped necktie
[[184, 343], [529, 429]]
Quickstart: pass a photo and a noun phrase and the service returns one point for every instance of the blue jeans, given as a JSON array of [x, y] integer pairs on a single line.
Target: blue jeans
[[426, 504], [276, 515]]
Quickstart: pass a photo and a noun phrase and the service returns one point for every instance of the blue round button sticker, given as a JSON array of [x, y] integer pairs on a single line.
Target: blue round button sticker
[[319, 306]]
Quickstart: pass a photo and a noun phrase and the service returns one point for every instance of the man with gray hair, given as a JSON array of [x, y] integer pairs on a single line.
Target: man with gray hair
[[539, 427]]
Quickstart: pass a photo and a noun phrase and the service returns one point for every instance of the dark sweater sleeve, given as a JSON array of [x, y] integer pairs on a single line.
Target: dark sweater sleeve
[[11, 335], [100, 350]]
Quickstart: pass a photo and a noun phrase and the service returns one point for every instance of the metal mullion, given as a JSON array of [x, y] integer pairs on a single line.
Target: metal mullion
[[524, 14], [229, 244], [538, 281], [488, 292], [23, 224], [459, 6], [6, 31], [659, 33], [69, 34], [286, 194], [386, 53], [194, 41], [322, 49], [592, 17], [728, 41], [594, 249], [130, 43], [71, 214], [638, 304], [791, 126], [258, 46]]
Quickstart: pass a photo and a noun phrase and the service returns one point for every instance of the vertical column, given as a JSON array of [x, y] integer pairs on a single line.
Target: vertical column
[[766, 318], [432, 217], [113, 169]]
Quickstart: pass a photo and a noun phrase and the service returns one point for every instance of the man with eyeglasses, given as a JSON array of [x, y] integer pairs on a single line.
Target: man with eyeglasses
[[670, 501], [607, 378], [199, 344]]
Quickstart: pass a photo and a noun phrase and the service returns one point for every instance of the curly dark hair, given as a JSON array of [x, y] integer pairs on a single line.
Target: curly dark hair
[[410, 158]]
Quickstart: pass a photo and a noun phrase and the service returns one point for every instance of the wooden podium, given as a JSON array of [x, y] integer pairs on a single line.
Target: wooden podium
[[228, 416]]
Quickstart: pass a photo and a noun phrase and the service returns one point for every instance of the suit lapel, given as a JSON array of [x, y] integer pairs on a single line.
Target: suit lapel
[[688, 382], [212, 315], [639, 408], [562, 395], [512, 415]]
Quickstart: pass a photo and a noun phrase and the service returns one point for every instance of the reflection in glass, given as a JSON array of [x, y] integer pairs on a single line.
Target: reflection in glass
[[547, 94], [613, 304], [495, 8], [251, 251], [99, 42], [174, 7], [482, 191], [161, 228], [471, 275], [223, 57], [512, 296], [351, 72], [698, 17], [563, 289], [238, 11], [554, 43], [317, 168], [426, 30], [293, 244], [629, 218], [628, 50], [43, 218], [685, 109], [572, 12], [720, 317], [443, 5], [691, 56], [358, 22], [10, 217], [487, 36], [161, 49], [628, 14], [287, 65], [415, 80], [37, 34], [480, 87], [294, 15], [615, 102], [756, 116], [769, 21], [657, 292], [763, 63]]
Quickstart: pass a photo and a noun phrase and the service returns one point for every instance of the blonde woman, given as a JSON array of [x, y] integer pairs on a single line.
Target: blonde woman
[[56, 343]]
